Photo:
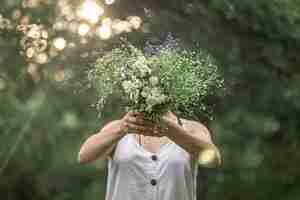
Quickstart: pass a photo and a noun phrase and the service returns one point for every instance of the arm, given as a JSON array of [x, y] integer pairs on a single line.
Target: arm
[[102, 144], [195, 139]]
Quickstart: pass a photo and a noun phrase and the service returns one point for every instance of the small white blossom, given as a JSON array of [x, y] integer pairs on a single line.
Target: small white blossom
[[145, 92], [140, 67], [154, 80], [127, 86], [155, 97]]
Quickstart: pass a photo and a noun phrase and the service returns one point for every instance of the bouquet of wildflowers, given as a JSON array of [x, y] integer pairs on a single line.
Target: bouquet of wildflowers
[[170, 79]]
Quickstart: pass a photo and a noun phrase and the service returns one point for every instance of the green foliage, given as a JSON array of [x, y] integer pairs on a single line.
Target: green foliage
[[275, 18], [190, 78]]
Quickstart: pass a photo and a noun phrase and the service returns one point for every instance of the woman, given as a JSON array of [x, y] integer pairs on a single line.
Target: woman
[[157, 162]]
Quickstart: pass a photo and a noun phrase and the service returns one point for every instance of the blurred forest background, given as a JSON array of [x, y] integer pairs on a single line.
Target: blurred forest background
[[46, 112]]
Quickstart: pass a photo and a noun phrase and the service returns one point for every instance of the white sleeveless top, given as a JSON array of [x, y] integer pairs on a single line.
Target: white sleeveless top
[[137, 174]]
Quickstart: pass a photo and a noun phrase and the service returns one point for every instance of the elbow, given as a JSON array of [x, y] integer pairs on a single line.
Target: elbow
[[81, 159], [86, 157]]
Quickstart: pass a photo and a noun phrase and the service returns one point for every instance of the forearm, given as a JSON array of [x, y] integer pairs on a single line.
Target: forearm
[[190, 142], [200, 148], [101, 144]]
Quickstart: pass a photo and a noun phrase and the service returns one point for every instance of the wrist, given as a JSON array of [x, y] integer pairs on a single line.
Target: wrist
[[121, 130]]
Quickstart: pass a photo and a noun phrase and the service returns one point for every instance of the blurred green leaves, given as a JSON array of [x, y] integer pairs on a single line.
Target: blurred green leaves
[[274, 18]]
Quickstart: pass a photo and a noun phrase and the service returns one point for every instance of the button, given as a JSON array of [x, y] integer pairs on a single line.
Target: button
[[154, 157], [153, 182]]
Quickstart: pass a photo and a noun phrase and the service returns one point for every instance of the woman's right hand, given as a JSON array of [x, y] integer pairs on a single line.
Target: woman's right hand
[[134, 122]]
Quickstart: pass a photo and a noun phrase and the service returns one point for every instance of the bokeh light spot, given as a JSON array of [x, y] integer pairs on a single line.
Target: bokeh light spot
[[104, 32], [33, 71], [120, 26], [59, 43], [59, 75], [91, 11], [83, 29], [2, 84], [30, 52], [107, 21], [135, 21], [109, 2], [41, 58]]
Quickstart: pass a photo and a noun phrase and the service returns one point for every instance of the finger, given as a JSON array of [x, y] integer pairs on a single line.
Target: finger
[[154, 134], [158, 132], [134, 113], [125, 126], [142, 117], [139, 129], [147, 133], [140, 122], [144, 122], [130, 114], [162, 130]]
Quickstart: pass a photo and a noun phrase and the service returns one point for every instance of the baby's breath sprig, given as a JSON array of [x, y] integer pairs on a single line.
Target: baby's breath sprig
[[189, 78]]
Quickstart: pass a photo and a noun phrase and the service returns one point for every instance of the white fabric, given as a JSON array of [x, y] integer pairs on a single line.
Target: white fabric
[[132, 168]]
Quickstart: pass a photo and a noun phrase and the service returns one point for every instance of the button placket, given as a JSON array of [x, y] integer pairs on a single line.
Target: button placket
[[153, 174]]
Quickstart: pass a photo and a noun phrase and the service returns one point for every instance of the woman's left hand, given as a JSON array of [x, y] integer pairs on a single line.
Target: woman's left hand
[[166, 125]]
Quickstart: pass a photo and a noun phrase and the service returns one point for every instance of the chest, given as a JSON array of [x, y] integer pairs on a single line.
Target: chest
[[132, 152], [151, 144]]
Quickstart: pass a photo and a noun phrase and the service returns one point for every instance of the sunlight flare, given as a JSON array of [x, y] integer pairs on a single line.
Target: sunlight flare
[[109, 2], [91, 11]]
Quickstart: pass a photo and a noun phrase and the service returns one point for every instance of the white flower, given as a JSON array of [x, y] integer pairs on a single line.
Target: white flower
[[127, 86], [132, 87], [140, 67], [155, 97], [145, 92], [154, 80]]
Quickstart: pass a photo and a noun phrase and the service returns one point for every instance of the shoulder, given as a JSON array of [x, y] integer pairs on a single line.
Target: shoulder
[[196, 127]]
